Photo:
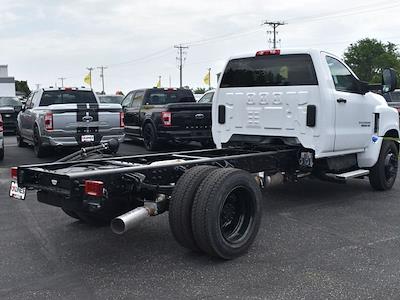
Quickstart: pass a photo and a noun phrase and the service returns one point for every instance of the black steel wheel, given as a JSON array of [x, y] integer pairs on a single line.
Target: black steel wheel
[[150, 137], [226, 213], [383, 175], [180, 205]]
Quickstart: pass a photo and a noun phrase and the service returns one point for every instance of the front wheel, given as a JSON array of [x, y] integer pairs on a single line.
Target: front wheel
[[20, 140], [383, 175]]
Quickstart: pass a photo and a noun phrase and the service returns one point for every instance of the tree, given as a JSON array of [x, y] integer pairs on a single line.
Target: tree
[[199, 90], [368, 57], [22, 86]]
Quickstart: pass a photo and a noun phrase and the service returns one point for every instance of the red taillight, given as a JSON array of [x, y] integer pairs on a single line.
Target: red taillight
[[268, 52], [1, 124], [121, 119], [166, 118], [48, 121], [94, 188], [14, 172]]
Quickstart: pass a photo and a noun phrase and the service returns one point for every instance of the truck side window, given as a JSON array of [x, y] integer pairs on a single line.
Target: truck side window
[[343, 79], [127, 100], [29, 101], [138, 99]]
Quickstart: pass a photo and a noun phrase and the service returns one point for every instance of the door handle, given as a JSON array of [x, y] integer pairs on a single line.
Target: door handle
[[341, 100]]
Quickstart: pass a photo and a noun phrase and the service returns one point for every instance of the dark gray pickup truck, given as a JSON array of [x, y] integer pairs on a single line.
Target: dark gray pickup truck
[[58, 117], [158, 115]]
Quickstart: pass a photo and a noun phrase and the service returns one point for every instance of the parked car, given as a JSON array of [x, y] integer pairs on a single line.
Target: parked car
[[57, 117], [158, 115], [207, 97], [9, 109], [110, 98], [393, 99]]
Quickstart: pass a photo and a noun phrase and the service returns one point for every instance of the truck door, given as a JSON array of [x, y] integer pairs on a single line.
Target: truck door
[[353, 118], [135, 111], [27, 117], [126, 107]]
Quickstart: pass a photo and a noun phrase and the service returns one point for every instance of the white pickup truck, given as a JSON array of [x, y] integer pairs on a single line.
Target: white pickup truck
[[312, 99], [295, 113]]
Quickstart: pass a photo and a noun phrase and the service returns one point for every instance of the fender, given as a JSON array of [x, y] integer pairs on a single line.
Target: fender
[[388, 121]]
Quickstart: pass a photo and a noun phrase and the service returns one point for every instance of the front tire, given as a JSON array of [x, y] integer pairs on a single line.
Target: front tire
[[226, 213], [20, 139], [383, 174]]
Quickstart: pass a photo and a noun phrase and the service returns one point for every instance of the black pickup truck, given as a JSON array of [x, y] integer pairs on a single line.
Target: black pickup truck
[[158, 115]]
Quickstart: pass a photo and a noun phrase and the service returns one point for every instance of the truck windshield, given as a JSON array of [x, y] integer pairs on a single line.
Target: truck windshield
[[270, 70], [160, 97], [67, 97]]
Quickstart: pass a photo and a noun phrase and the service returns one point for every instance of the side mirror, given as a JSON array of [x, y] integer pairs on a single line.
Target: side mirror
[[23, 108], [389, 80]]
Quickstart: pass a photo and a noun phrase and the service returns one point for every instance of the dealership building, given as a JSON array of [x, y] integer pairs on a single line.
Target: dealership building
[[7, 84]]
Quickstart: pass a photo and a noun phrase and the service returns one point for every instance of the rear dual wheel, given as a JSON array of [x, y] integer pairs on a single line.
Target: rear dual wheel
[[224, 209]]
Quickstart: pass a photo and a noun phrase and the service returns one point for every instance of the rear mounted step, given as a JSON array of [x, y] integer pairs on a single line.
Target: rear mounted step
[[353, 174]]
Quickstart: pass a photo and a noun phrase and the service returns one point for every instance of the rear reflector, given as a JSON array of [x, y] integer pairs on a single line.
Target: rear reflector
[[121, 119], [14, 172], [268, 52], [48, 121], [166, 118], [94, 188]]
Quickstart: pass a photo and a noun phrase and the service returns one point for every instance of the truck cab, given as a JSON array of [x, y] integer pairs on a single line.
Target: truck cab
[[301, 97]]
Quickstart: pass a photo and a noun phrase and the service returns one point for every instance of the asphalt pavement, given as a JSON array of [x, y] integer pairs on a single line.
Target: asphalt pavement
[[317, 240]]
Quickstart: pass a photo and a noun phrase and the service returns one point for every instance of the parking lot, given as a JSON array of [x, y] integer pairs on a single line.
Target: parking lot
[[317, 240]]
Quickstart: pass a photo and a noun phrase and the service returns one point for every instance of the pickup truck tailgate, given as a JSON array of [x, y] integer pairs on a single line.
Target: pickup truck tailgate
[[191, 115]]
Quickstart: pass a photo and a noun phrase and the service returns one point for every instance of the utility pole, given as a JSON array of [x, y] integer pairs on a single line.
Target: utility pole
[[274, 26], [90, 75], [180, 59], [62, 80], [102, 77]]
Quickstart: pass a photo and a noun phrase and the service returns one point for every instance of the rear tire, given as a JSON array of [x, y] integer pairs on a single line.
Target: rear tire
[[383, 174], [226, 213], [40, 151], [150, 137], [180, 206]]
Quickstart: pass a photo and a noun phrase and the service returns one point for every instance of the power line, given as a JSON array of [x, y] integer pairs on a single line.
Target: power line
[[180, 49], [102, 77], [274, 25]]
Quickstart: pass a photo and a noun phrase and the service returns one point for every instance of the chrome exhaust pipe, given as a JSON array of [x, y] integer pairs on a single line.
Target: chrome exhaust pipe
[[123, 223]]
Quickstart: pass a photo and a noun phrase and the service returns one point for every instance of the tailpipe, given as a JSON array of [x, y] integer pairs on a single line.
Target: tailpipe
[[123, 223]]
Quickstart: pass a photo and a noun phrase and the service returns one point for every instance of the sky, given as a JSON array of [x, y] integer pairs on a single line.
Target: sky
[[44, 40]]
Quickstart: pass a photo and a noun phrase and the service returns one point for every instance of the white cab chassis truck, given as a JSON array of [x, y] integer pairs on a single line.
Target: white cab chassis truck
[[295, 113]]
